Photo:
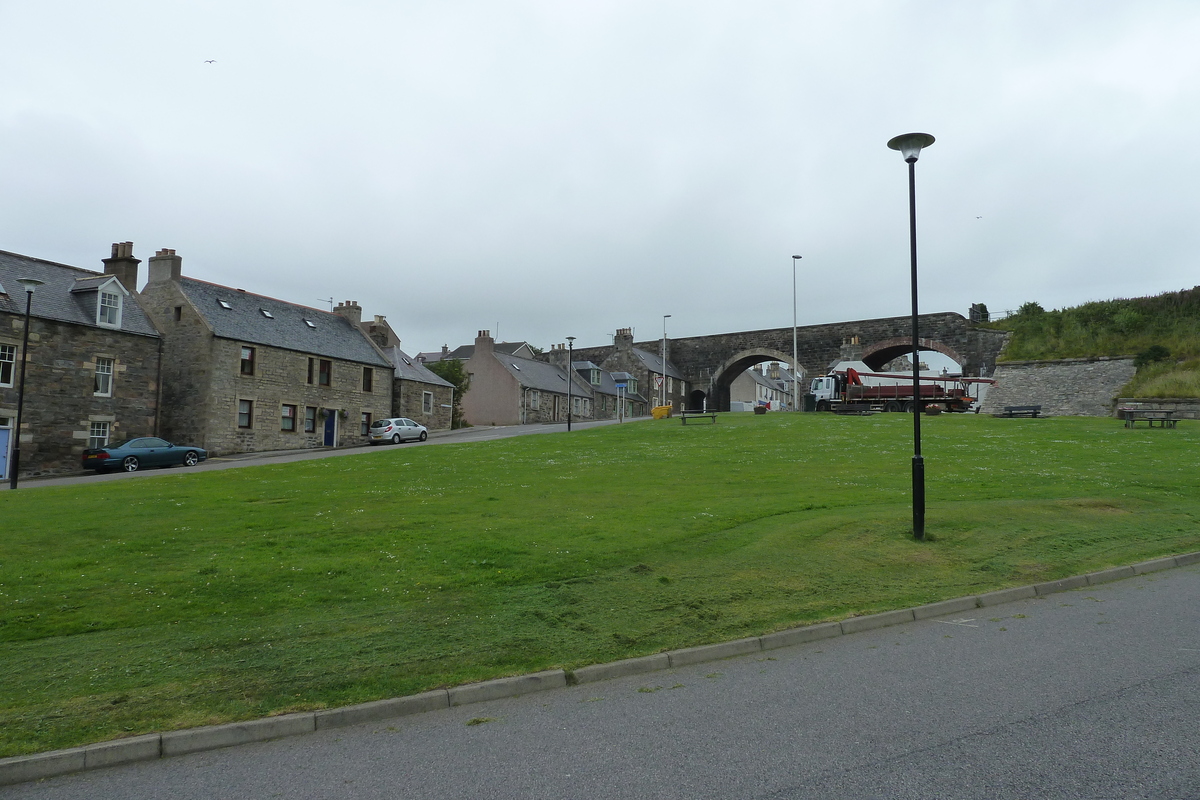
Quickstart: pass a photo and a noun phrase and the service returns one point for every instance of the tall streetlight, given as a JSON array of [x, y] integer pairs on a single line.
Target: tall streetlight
[[29, 284], [795, 349], [663, 393], [570, 375], [910, 145]]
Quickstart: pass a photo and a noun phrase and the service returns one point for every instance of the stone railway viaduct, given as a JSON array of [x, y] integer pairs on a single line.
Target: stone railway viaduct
[[711, 363]]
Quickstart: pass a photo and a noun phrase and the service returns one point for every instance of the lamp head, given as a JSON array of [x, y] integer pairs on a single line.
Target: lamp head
[[30, 283], [795, 257], [910, 144]]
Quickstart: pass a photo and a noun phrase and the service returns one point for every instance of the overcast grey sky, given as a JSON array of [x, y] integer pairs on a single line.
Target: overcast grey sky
[[570, 168]]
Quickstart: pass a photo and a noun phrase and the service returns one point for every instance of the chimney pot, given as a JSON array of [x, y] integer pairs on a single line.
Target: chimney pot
[[122, 265]]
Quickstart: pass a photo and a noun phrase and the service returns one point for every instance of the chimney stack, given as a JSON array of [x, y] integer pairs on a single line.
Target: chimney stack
[[624, 339], [484, 344], [165, 266], [350, 310], [123, 265]]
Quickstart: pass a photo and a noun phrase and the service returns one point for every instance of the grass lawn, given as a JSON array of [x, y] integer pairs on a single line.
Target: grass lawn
[[193, 598]]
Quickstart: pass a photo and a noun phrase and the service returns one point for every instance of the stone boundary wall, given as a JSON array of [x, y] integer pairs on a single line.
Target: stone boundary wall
[[1076, 387], [1184, 407]]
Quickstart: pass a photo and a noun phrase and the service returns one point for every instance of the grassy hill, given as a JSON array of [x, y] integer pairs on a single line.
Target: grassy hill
[[1162, 331]]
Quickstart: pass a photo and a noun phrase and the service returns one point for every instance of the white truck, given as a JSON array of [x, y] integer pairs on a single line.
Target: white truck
[[852, 386]]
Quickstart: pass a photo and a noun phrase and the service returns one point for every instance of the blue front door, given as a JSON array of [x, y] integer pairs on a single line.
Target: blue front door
[[4, 436], [330, 427]]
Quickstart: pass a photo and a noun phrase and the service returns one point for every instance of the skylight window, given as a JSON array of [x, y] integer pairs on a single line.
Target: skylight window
[[310, 324], [514, 366], [225, 305], [266, 313]]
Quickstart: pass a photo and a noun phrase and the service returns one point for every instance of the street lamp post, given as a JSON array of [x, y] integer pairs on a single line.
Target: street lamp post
[[795, 349], [663, 393], [30, 284], [910, 145], [570, 375]]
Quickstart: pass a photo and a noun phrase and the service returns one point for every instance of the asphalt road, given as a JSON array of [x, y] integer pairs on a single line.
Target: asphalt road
[[1093, 693], [477, 434]]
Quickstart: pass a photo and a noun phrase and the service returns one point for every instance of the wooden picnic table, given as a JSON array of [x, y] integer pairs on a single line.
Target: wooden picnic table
[[1162, 417]]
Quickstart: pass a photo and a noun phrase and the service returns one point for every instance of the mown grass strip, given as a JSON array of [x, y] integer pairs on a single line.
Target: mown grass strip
[[192, 599]]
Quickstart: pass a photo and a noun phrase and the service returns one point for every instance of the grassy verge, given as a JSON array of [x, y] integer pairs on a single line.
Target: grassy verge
[[187, 599]]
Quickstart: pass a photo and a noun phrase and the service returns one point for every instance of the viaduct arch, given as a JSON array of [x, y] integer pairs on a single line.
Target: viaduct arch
[[711, 363]]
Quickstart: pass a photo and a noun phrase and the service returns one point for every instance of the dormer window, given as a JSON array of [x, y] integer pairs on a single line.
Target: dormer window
[[108, 312], [225, 305], [595, 377]]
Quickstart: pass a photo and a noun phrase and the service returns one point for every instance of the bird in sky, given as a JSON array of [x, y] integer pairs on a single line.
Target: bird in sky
[[211, 61]]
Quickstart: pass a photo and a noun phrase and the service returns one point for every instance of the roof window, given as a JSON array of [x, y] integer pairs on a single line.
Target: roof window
[[266, 313], [310, 324], [225, 305]]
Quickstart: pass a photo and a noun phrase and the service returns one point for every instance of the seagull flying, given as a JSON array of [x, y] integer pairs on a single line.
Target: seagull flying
[[211, 61]]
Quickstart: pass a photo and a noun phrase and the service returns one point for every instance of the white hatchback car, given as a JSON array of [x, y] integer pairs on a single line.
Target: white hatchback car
[[396, 430]]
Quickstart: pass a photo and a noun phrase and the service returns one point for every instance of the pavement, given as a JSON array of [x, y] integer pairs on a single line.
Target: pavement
[[1080, 688]]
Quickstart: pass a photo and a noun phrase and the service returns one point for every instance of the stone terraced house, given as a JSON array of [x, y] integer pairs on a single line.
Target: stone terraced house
[[92, 370], [417, 393], [509, 390], [247, 373]]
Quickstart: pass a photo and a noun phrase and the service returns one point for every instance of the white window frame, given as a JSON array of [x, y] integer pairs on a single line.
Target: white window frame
[[104, 310], [8, 356], [427, 402], [535, 400], [104, 388], [99, 432]]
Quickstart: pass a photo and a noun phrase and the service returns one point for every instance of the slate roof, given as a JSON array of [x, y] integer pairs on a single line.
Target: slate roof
[[69, 294], [653, 362], [466, 351], [410, 369], [541, 375], [607, 385], [289, 326]]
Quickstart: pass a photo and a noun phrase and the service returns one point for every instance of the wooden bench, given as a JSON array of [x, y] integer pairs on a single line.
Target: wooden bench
[[1165, 419], [686, 415], [1020, 411]]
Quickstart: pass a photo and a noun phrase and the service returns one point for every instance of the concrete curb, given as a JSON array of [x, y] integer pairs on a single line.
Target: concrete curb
[[507, 687], [621, 669], [19, 769]]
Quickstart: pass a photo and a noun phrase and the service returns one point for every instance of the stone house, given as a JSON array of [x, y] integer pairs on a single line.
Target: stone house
[[767, 385], [92, 370], [243, 372], [417, 393], [649, 373], [509, 390]]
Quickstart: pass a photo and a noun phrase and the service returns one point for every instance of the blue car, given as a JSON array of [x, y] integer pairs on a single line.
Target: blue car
[[145, 451]]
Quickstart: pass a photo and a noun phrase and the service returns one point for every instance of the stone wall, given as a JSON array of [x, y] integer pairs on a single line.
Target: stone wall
[[1065, 387], [408, 400], [60, 398]]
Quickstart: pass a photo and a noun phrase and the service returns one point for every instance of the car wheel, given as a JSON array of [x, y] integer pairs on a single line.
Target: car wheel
[[130, 464], [822, 405], [396, 438], [423, 436], [191, 458]]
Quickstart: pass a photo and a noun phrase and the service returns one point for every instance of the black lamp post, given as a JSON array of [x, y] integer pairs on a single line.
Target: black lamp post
[[30, 284], [910, 145], [795, 349], [570, 370]]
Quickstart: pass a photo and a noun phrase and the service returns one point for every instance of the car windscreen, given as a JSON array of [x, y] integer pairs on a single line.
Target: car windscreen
[[381, 423]]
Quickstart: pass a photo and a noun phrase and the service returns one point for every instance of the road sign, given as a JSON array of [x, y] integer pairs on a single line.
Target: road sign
[[658, 381]]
